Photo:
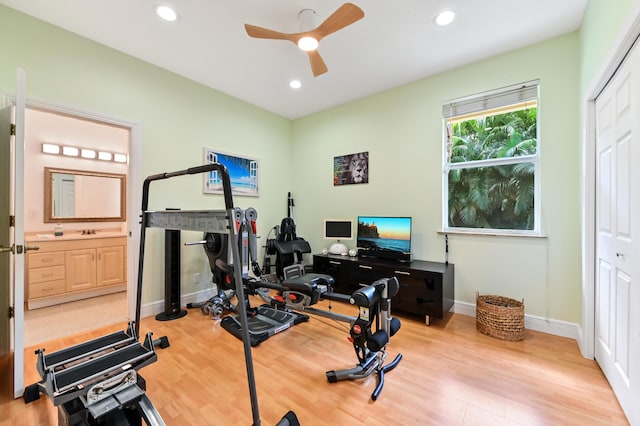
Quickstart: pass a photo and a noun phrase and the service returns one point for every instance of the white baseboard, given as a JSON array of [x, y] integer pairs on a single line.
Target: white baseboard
[[531, 322], [155, 308]]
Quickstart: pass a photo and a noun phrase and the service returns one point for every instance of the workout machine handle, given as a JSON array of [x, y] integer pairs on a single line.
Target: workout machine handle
[[251, 216], [224, 174], [228, 201]]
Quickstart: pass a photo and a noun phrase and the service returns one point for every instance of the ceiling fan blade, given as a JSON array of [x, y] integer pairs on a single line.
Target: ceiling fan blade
[[259, 32], [317, 64], [344, 16]]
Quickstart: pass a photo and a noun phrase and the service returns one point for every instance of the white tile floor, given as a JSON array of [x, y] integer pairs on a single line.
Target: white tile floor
[[52, 322]]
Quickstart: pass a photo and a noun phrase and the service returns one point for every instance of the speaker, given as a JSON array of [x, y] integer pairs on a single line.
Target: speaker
[[171, 277]]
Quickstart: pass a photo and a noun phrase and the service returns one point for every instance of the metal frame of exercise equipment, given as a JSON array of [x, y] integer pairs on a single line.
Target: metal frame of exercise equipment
[[216, 221], [99, 375], [299, 291], [370, 349]]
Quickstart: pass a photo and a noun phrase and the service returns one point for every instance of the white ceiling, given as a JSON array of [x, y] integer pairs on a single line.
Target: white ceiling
[[395, 43]]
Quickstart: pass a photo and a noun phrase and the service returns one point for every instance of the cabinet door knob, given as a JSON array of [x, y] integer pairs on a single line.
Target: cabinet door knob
[[402, 272]]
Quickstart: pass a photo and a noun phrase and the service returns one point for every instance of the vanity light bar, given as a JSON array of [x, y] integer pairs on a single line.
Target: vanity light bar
[[72, 151], [87, 153], [119, 158], [106, 156], [49, 148]]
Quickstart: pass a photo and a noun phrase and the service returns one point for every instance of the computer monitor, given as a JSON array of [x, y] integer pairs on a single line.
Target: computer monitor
[[338, 229]]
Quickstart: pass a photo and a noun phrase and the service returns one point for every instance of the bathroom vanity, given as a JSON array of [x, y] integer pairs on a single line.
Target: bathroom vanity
[[74, 266]]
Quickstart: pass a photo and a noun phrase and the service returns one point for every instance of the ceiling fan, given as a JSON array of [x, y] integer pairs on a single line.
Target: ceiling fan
[[308, 39]]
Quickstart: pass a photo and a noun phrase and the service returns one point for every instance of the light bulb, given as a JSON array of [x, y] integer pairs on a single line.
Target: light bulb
[[166, 13], [308, 43], [445, 18]]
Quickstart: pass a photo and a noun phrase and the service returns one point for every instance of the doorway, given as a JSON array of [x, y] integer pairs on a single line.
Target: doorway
[[63, 126], [610, 287], [617, 239]]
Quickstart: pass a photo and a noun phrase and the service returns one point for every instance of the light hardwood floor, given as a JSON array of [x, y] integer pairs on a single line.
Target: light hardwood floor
[[53, 322], [450, 374]]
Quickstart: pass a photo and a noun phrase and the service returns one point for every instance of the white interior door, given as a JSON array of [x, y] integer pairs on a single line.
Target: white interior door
[[12, 165], [6, 300], [617, 293]]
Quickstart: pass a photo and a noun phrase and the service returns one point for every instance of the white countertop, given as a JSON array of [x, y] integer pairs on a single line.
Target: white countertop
[[72, 235]]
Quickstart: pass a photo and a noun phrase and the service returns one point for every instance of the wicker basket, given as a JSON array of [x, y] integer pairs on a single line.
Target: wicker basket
[[500, 317]]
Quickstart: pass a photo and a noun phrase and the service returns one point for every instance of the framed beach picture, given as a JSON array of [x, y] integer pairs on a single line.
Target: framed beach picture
[[351, 169], [243, 173]]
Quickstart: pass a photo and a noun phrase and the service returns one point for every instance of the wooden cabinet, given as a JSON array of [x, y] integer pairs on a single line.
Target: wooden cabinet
[[63, 270], [426, 288], [46, 274], [80, 269], [110, 269]]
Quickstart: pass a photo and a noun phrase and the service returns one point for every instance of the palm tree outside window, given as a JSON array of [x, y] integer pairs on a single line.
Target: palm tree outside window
[[491, 162]]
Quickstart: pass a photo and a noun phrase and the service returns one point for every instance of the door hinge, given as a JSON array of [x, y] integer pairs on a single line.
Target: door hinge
[[13, 129], [11, 312], [12, 221]]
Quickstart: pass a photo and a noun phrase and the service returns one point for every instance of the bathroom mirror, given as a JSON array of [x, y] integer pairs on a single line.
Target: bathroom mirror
[[83, 196]]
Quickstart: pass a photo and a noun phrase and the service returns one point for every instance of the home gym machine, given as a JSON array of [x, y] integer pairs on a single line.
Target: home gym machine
[[302, 290], [286, 246], [96, 382], [228, 222], [264, 321], [298, 291]]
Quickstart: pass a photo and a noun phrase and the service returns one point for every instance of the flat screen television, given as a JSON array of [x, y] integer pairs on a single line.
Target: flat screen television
[[338, 229], [384, 237]]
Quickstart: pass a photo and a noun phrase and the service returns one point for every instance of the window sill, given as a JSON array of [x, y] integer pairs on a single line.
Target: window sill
[[489, 234]]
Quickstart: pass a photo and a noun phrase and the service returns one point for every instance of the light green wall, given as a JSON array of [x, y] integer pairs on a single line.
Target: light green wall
[[177, 117], [601, 34], [600, 28], [401, 129]]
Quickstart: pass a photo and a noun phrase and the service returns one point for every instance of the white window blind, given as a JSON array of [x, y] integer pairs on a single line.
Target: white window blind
[[495, 100]]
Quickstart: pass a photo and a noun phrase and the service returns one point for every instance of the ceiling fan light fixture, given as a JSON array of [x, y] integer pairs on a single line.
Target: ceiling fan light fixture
[[308, 43], [166, 13], [444, 18]]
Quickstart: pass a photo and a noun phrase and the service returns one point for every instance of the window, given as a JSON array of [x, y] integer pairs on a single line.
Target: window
[[491, 164]]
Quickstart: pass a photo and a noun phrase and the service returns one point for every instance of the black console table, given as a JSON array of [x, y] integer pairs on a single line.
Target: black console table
[[426, 288]]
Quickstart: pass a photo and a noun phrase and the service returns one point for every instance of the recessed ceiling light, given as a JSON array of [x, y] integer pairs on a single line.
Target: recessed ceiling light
[[295, 84], [166, 13], [445, 18]]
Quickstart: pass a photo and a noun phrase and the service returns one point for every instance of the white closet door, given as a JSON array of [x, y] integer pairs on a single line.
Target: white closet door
[[617, 234]]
